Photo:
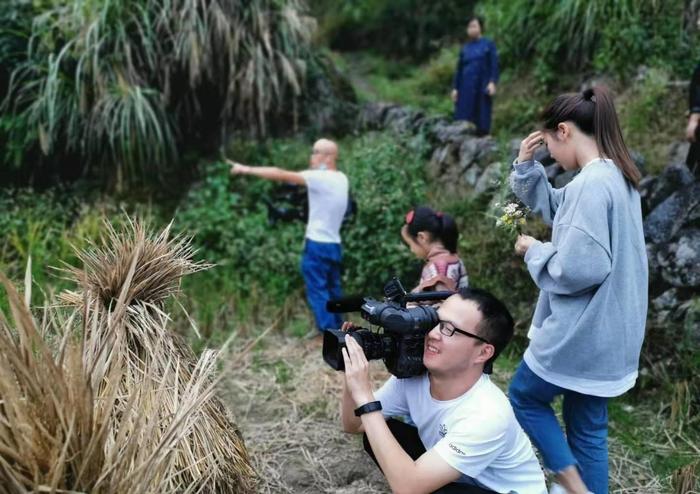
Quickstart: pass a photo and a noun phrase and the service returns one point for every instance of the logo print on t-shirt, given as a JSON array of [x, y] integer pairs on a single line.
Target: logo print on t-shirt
[[455, 448], [442, 430]]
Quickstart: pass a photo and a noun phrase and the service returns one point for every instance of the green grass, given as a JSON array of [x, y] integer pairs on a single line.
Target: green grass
[[642, 424], [426, 87]]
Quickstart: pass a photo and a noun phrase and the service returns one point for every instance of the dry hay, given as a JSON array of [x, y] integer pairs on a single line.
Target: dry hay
[[101, 397], [685, 479]]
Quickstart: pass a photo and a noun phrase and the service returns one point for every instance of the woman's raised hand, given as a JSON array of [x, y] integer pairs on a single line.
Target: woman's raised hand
[[529, 144]]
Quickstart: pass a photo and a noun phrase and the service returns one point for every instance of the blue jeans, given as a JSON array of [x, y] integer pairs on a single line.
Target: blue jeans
[[320, 266], [585, 418]]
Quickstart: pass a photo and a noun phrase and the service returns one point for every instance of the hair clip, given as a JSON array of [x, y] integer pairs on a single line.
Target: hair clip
[[409, 216]]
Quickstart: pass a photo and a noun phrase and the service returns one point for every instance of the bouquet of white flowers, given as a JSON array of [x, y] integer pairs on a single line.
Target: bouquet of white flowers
[[513, 216]]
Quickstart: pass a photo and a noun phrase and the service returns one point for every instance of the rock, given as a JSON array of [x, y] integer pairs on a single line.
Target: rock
[[678, 152], [477, 151], [680, 208], [656, 282], [372, 115], [666, 301], [552, 171], [444, 159], [542, 155], [654, 190], [459, 164], [679, 261], [425, 125], [471, 176], [514, 148], [564, 178], [639, 161], [597, 80], [646, 187], [455, 132], [665, 307], [489, 181], [691, 322], [401, 119]]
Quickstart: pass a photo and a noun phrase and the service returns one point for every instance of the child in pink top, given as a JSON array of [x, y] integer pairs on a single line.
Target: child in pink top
[[432, 236]]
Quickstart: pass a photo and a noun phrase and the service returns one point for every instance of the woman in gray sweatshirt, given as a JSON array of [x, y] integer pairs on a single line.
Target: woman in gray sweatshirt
[[587, 330]]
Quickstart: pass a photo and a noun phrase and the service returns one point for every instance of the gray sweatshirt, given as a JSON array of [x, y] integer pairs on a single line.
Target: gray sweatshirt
[[588, 326]]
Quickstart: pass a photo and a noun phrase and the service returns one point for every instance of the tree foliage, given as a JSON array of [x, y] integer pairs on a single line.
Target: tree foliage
[[124, 84], [410, 29], [612, 36]]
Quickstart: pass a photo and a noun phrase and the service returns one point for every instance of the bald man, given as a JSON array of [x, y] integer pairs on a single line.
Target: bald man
[[328, 199]]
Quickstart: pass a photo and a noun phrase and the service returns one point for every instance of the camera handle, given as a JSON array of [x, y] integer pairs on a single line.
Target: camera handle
[[395, 292]]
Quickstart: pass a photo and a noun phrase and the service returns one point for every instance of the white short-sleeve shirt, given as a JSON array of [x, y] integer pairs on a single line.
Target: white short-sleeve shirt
[[328, 200], [476, 433]]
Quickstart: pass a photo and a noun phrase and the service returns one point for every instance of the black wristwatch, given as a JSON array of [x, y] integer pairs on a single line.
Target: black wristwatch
[[372, 406]]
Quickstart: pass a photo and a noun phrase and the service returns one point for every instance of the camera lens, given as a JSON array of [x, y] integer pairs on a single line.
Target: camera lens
[[375, 346]]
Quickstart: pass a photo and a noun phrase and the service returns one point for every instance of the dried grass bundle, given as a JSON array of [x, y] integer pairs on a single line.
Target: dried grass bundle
[[124, 407], [685, 479]]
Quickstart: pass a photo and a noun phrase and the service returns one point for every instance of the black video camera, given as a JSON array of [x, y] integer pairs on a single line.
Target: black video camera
[[291, 203], [400, 343], [287, 203]]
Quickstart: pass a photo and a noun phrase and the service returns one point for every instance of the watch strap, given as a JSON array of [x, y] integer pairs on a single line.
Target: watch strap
[[372, 406]]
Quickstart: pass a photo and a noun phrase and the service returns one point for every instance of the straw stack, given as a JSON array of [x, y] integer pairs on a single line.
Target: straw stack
[[101, 397]]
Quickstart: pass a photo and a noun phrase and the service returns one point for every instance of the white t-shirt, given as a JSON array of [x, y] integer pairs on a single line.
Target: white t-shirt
[[476, 433], [328, 200]]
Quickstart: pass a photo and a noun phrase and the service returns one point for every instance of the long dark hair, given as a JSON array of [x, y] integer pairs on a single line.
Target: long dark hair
[[593, 111], [441, 226]]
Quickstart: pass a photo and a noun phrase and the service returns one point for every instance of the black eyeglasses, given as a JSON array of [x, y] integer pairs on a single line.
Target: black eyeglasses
[[448, 329]]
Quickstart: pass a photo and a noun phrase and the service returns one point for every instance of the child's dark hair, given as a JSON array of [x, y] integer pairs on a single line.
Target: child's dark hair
[[441, 226], [496, 324], [594, 113]]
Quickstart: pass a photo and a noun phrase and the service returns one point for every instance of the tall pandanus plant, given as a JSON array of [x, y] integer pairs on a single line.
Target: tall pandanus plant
[[99, 395], [125, 85]]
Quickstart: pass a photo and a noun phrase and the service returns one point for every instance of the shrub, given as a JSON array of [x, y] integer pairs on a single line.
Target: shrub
[[603, 35], [229, 221], [651, 117]]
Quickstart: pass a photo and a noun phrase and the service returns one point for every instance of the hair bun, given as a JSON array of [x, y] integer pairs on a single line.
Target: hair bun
[[589, 94]]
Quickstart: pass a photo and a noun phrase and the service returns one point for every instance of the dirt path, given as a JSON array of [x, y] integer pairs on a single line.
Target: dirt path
[[285, 401]]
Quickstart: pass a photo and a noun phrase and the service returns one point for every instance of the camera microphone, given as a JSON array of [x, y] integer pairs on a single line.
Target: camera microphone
[[352, 303]]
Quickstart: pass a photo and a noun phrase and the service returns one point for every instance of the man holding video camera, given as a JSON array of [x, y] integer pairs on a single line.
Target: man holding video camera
[[474, 443], [328, 200]]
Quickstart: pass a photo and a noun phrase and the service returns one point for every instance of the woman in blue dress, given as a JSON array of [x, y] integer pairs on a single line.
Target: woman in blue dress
[[475, 78]]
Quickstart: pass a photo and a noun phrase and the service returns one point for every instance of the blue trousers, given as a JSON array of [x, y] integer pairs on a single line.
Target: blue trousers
[[585, 418], [320, 266]]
